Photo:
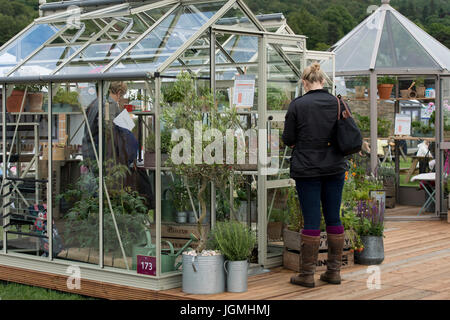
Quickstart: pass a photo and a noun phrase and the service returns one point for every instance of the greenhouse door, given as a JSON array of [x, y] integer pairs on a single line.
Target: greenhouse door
[[443, 167]]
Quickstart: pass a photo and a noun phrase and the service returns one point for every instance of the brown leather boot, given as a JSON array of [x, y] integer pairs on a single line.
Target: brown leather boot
[[334, 261], [308, 261]]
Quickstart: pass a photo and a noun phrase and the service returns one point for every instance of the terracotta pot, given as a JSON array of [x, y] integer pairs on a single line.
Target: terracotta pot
[[421, 92], [404, 93], [360, 92], [35, 101], [385, 90], [14, 102]]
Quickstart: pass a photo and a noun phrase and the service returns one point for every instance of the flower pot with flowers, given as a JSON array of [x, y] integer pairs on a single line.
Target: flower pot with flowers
[[203, 271]]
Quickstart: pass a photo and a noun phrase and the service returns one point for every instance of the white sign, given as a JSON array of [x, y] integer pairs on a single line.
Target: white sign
[[124, 120], [402, 125], [244, 91]]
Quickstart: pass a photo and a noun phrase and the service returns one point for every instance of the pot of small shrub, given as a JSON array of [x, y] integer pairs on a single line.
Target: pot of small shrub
[[370, 229], [360, 87], [236, 241], [385, 85], [15, 102], [35, 98], [149, 154]]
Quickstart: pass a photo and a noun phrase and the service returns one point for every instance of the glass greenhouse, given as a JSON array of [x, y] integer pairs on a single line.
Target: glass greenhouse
[[74, 193], [388, 48]]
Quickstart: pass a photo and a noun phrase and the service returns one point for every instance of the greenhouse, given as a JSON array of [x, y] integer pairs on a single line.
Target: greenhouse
[[388, 50], [74, 188]]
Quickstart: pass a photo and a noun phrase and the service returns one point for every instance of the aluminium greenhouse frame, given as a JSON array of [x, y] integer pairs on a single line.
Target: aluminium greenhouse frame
[[153, 78]]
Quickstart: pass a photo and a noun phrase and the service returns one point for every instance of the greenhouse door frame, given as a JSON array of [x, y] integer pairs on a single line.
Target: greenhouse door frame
[[441, 146]]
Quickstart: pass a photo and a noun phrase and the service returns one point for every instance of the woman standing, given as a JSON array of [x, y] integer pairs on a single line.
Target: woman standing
[[318, 168]]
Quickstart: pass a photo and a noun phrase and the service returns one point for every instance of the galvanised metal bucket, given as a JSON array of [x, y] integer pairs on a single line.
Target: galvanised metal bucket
[[237, 273], [203, 275], [373, 252]]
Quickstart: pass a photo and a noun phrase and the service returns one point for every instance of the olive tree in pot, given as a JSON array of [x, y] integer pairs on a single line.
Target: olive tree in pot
[[196, 118], [236, 241]]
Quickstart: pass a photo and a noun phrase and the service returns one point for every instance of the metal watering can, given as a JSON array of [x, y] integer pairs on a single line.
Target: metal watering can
[[168, 256]]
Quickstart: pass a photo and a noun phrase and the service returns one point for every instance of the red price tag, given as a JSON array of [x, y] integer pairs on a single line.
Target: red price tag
[[146, 265]]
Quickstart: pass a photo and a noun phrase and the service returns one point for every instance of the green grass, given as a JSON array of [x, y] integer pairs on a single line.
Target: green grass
[[15, 291]]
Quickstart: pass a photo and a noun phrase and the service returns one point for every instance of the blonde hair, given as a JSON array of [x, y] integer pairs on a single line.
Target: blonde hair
[[313, 73], [118, 87]]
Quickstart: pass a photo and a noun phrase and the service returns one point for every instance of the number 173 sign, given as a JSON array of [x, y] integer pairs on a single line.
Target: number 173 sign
[[146, 265]]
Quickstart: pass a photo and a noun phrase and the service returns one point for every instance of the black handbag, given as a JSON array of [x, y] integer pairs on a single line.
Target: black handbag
[[349, 138]]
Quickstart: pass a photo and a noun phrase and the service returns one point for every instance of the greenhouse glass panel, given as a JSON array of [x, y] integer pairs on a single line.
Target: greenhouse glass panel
[[166, 38], [240, 48], [356, 52], [441, 52], [23, 46], [235, 17], [44, 62], [94, 58], [398, 48]]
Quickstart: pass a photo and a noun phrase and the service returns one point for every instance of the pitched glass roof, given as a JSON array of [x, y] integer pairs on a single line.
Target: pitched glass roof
[[388, 40]]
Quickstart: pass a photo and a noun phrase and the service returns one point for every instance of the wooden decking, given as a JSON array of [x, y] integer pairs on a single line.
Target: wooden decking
[[416, 266]]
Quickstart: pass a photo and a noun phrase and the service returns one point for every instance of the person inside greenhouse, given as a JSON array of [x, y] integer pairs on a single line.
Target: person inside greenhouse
[[318, 168], [120, 144]]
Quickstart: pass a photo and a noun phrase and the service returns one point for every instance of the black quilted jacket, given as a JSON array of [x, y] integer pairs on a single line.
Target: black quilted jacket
[[310, 127]]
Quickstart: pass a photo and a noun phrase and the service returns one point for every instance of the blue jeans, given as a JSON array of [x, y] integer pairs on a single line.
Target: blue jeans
[[326, 190]]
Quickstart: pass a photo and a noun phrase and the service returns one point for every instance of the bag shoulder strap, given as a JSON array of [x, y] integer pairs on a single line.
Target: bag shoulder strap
[[346, 114]]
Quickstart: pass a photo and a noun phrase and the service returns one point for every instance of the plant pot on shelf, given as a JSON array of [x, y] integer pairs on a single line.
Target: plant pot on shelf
[[237, 275], [14, 101], [203, 274], [35, 101], [420, 92], [373, 252], [182, 217], [385, 90], [360, 92]]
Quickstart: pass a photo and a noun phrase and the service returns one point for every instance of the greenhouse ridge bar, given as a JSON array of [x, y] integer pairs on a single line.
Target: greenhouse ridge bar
[[146, 45]]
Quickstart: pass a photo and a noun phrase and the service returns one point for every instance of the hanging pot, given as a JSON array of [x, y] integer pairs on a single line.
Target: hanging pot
[[167, 208], [385, 90]]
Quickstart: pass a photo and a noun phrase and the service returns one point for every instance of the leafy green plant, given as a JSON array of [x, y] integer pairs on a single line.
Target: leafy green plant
[[420, 82], [384, 127], [279, 215], [387, 80], [276, 98], [235, 240], [350, 222], [361, 81], [296, 221], [66, 97], [82, 220], [30, 87]]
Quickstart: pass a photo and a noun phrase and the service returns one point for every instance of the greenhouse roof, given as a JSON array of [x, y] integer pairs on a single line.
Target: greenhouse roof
[[129, 39], [388, 41]]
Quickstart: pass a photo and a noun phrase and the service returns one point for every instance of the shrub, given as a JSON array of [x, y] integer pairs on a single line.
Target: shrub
[[235, 240]]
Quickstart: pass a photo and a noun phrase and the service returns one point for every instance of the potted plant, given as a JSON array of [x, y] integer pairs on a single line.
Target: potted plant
[[385, 85], [236, 241], [420, 87], [386, 173], [65, 101], [360, 87], [16, 101], [35, 98], [203, 271], [370, 228], [278, 218]]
